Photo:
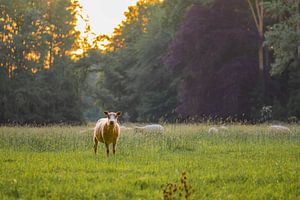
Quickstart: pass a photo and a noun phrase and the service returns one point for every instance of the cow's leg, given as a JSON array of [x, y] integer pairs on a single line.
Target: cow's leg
[[95, 145], [107, 149], [114, 148]]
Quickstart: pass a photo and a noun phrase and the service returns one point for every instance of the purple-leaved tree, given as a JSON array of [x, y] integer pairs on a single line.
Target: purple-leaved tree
[[214, 53]]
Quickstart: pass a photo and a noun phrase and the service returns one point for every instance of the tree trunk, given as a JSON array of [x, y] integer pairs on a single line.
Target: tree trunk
[[298, 25], [260, 9], [7, 70], [50, 54], [261, 56], [257, 11]]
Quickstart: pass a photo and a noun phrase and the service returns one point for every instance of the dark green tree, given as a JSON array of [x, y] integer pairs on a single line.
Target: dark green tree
[[283, 39], [38, 83]]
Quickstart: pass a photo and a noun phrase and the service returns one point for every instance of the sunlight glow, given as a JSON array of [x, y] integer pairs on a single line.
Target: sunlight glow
[[103, 15]]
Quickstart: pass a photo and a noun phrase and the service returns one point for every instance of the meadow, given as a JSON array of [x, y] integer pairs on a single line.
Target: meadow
[[57, 162]]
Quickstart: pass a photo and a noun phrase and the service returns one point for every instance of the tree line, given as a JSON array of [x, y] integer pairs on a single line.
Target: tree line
[[38, 83], [169, 60], [200, 59]]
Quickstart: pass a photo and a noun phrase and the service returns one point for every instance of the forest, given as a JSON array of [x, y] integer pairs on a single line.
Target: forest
[[169, 61]]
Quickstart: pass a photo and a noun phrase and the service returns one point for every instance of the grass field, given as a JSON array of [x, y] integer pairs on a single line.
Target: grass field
[[245, 162]]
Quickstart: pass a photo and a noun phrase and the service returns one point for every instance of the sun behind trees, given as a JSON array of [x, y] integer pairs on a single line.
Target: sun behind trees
[[38, 84], [193, 59], [167, 61], [35, 34]]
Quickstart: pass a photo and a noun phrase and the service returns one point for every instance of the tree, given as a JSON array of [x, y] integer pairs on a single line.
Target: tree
[[115, 91], [283, 37], [152, 78], [38, 83], [135, 78], [212, 54]]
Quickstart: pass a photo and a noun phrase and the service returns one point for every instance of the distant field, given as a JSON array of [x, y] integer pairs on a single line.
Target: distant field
[[245, 162]]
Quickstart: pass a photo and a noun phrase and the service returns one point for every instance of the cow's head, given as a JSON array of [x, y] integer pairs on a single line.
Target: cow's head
[[112, 117]]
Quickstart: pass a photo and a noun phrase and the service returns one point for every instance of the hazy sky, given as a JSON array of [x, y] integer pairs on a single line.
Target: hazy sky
[[104, 15]]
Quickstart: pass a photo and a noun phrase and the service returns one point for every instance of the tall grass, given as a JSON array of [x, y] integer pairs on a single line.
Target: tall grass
[[248, 162]]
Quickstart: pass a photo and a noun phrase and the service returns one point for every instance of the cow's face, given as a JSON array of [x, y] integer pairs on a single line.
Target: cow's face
[[112, 117]]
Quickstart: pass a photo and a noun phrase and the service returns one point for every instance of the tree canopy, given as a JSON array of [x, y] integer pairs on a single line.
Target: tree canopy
[[167, 61], [216, 81], [38, 84]]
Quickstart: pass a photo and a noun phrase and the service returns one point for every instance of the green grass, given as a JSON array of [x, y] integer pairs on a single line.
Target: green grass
[[245, 162]]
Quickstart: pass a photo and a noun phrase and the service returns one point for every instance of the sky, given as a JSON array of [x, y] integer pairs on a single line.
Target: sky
[[104, 15]]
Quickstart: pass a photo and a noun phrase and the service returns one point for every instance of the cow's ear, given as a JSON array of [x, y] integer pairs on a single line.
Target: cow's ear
[[119, 113], [105, 112]]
